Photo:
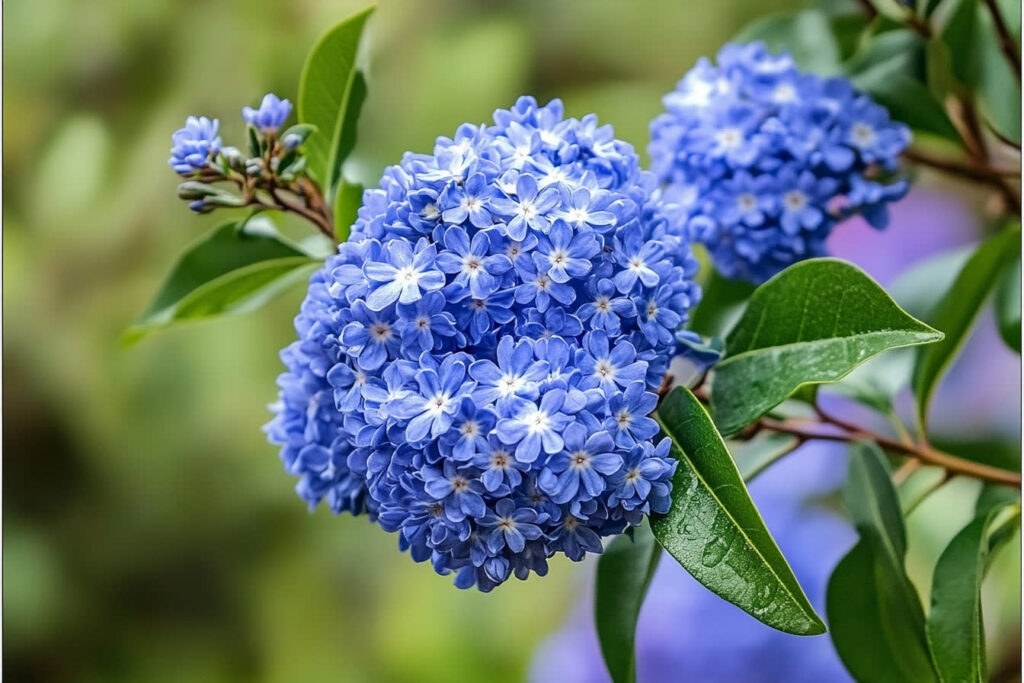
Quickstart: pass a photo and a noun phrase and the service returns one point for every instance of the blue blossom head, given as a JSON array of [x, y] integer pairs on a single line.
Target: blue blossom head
[[759, 161], [194, 145], [270, 116], [476, 367]]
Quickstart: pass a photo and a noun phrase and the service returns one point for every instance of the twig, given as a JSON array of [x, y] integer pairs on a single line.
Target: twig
[[926, 454], [973, 171], [1006, 42]]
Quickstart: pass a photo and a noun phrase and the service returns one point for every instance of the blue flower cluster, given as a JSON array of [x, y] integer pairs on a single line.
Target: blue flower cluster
[[197, 144], [760, 161], [475, 367]]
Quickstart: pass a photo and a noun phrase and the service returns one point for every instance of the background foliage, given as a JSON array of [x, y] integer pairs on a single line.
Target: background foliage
[[150, 532]]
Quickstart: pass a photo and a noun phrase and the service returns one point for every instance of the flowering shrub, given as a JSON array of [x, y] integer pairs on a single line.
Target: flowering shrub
[[482, 356], [475, 367], [762, 160]]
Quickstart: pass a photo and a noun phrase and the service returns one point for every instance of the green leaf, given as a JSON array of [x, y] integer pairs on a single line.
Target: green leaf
[[873, 609], [807, 35], [331, 91], [624, 572], [714, 530], [1008, 306], [957, 311], [720, 305], [998, 91], [955, 628], [236, 268], [812, 323], [346, 207]]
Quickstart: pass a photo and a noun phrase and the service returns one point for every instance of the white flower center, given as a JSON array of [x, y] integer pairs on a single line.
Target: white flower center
[[437, 404], [784, 93], [605, 369], [430, 211], [578, 215], [559, 257], [423, 322], [459, 484], [794, 200], [579, 460], [500, 460], [636, 263], [729, 138], [623, 418], [652, 309], [471, 264], [603, 304], [471, 204], [746, 202], [543, 282], [380, 331], [408, 275], [470, 428], [510, 384], [537, 422], [863, 135]]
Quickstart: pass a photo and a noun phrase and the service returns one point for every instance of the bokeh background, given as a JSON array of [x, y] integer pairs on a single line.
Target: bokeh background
[[149, 531]]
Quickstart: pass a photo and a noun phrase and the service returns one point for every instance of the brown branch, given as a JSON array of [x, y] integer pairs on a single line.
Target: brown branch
[[851, 433], [1006, 43], [926, 454], [973, 171]]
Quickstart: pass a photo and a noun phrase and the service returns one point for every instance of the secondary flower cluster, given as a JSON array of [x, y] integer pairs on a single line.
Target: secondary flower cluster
[[475, 367], [761, 161]]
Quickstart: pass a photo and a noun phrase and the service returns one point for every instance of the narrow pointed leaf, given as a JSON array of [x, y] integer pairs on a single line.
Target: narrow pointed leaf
[[955, 628], [235, 268], [624, 572], [346, 208], [714, 530], [873, 609], [812, 323], [330, 94], [720, 304], [957, 311], [1008, 306]]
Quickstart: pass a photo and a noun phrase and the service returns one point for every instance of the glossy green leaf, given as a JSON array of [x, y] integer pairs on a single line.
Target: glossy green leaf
[[998, 90], [331, 91], [812, 323], [624, 572], [955, 628], [346, 207], [720, 305], [958, 309], [873, 609], [1008, 306], [236, 268], [807, 35], [714, 530]]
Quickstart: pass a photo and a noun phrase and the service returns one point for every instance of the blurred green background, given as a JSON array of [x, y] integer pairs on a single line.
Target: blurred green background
[[150, 533]]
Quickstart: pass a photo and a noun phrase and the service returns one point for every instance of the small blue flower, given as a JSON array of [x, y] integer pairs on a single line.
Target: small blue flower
[[270, 116], [471, 263], [582, 468], [510, 526], [529, 209], [404, 274], [441, 389], [194, 145], [511, 381], [536, 427], [628, 419]]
